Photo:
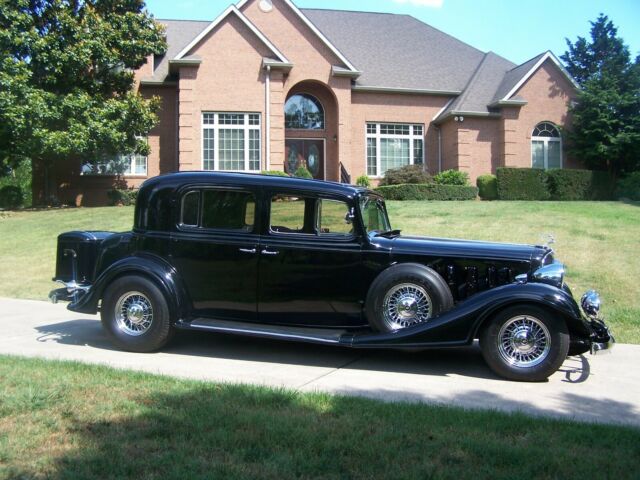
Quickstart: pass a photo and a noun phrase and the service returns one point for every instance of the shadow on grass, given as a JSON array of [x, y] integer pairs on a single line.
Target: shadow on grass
[[211, 431]]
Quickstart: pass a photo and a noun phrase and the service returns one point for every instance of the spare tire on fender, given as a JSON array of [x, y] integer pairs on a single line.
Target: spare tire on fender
[[406, 294]]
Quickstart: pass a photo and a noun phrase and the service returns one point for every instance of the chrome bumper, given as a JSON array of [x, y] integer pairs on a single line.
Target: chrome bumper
[[602, 340], [71, 292], [600, 348]]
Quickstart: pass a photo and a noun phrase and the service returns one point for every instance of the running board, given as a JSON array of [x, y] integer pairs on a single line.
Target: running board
[[298, 334]]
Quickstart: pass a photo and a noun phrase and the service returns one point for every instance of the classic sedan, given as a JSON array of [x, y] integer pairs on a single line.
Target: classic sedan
[[313, 261]]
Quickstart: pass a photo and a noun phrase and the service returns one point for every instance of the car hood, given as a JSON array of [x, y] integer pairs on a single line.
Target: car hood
[[448, 247]]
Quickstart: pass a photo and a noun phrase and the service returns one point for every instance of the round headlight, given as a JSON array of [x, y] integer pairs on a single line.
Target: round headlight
[[591, 303], [551, 274]]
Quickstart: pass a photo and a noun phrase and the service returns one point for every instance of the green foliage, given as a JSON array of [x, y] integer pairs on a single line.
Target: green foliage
[[522, 184], [427, 191], [277, 173], [19, 175], [452, 177], [487, 187], [629, 187], [363, 181], [122, 196], [303, 172], [66, 78], [570, 184], [606, 115], [11, 196], [408, 174]]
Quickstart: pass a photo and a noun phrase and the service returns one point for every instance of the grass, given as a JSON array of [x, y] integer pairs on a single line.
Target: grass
[[599, 241], [63, 420]]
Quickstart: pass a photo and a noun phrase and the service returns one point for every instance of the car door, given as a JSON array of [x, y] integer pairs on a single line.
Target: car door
[[214, 249], [310, 262]]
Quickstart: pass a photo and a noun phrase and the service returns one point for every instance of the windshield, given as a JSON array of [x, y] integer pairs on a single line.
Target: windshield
[[374, 215]]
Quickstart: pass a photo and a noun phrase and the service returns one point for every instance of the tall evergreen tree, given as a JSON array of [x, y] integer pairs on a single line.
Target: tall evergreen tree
[[66, 78], [606, 115]]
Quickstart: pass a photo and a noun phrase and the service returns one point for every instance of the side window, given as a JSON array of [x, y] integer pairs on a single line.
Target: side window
[[334, 218], [228, 209], [189, 209], [289, 214]]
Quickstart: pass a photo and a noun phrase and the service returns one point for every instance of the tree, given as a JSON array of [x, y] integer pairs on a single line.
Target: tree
[[606, 114], [66, 78]]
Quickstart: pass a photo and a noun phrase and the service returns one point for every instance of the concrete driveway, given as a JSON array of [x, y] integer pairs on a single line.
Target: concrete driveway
[[602, 389]]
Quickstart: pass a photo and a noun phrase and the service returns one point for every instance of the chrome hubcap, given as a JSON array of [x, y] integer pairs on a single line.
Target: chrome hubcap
[[405, 305], [524, 341], [134, 313]]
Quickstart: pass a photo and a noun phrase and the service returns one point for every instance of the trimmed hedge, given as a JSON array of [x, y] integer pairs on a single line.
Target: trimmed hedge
[[409, 174], [577, 184], [487, 187], [629, 187], [11, 197], [427, 191], [277, 173], [122, 196], [452, 177], [522, 184]]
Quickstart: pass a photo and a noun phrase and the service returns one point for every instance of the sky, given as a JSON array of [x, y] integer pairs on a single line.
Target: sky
[[515, 29]]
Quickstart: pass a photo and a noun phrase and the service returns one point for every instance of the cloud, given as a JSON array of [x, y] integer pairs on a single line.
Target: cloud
[[422, 3]]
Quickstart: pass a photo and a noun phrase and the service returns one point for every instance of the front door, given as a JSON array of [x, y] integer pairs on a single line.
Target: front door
[[307, 153]]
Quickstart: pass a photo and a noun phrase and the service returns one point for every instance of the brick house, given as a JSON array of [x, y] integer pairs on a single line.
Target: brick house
[[268, 86]]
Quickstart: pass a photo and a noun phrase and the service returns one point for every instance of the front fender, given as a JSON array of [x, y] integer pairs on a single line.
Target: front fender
[[157, 269], [460, 325]]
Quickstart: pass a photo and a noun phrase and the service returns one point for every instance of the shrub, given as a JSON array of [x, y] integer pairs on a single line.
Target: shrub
[[20, 176], [522, 184], [487, 187], [11, 196], [122, 196], [278, 173], [363, 181], [573, 184], [429, 191], [629, 187], [413, 174], [302, 172], [452, 177]]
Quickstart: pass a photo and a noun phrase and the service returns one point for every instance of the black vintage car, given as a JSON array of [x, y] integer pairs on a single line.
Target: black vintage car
[[314, 261]]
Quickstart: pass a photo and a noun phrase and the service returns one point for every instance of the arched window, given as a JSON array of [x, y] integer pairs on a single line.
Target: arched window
[[302, 111], [546, 146]]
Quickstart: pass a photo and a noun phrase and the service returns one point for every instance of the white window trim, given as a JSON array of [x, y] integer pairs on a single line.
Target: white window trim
[[378, 136], [132, 160], [546, 141], [216, 127]]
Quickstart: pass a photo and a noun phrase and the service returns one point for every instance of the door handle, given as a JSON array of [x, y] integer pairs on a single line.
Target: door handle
[[269, 252], [248, 250]]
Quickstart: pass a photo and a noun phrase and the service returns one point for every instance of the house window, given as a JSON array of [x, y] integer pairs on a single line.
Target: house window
[[231, 141], [130, 165], [546, 146], [393, 145], [303, 111]]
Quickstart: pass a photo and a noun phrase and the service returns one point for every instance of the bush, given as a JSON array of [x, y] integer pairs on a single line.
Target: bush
[[363, 181], [429, 191], [487, 187], [452, 177], [522, 184], [302, 172], [277, 173], [122, 196], [413, 174], [629, 187], [573, 184], [20, 176], [11, 196]]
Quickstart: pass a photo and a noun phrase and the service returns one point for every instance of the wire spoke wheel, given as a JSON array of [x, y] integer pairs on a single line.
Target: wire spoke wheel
[[134, 313], [406, 304], [524, 341]]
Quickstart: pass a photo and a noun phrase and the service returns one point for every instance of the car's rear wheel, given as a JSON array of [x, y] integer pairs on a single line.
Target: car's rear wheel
[[405, 295], [525, 343], [135, 314]]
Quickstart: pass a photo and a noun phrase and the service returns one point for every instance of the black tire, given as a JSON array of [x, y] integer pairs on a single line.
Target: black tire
[[423, 281], [525, 343], [134, 329]]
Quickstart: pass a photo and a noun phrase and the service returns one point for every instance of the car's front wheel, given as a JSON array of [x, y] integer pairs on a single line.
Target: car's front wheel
[[135, 314], [525, 343]]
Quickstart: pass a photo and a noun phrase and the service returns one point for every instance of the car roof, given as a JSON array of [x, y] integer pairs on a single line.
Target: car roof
[[179, 179]]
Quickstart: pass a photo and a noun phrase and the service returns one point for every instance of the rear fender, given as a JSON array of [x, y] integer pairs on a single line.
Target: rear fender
[[460, 325], [151, 266]]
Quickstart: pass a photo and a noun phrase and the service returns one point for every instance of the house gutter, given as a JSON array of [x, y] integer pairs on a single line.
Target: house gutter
[[267, 99], [439, 149]]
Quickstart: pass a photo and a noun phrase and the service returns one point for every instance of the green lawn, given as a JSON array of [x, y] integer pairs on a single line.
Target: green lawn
[[599, 242], [67, 420]]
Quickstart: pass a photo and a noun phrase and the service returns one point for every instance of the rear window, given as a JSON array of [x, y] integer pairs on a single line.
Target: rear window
[[219, 209]]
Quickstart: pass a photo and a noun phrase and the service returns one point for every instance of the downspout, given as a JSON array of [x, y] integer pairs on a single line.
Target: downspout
[[439, 149], [267, 99]]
